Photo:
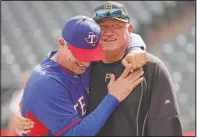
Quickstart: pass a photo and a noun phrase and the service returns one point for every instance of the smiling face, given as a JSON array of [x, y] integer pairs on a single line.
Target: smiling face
[[115, 35], [67, 59], [78, 67]]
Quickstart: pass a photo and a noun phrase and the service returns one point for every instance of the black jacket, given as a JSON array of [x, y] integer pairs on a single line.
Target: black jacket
[[150, 110]]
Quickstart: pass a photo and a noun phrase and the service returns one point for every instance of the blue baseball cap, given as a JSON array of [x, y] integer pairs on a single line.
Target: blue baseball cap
[[82, 35]]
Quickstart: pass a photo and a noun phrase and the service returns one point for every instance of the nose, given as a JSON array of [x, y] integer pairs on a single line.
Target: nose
[[108, 32]]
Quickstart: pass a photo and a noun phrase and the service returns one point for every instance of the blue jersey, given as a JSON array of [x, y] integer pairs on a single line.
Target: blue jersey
[[56, 100]]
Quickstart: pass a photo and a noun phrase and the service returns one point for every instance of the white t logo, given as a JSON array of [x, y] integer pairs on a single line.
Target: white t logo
[[92, 38]]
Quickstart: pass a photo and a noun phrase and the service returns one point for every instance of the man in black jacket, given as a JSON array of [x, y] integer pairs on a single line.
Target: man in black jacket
[[151, 110]]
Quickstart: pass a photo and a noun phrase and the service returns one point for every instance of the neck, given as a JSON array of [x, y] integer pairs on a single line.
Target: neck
[[112, 57]]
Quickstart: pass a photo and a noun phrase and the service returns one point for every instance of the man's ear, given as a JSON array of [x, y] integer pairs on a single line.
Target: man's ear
[[61, 42], [130, 27]]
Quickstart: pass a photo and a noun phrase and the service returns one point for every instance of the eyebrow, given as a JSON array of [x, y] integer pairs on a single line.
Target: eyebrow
[[114, 23], [102, 25]]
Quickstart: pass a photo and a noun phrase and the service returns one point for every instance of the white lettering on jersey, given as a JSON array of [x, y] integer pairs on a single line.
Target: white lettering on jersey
[[75, 106], [80, 105]]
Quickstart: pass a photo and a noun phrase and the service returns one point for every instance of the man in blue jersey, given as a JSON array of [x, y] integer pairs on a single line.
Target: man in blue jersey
[[55, 97]]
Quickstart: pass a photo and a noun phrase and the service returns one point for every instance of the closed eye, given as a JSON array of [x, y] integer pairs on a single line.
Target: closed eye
[[117, 26]]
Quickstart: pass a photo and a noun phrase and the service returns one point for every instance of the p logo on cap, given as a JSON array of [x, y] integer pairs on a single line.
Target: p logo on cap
[[107, 6]]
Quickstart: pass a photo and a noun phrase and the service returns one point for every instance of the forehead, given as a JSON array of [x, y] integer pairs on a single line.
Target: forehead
[[110, 21]]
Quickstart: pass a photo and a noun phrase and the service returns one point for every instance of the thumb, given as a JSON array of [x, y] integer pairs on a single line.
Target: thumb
[[112, 79], [20, 105], [125, 63]]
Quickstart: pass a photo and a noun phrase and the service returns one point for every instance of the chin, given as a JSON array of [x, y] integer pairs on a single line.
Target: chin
[[109, 45], [111, 48], [80, 71]]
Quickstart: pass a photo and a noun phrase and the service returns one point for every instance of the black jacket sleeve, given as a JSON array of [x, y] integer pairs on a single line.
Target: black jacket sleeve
[[164, 116]]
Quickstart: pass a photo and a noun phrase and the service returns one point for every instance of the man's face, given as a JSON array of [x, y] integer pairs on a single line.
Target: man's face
[[77, 66], [115, 35]]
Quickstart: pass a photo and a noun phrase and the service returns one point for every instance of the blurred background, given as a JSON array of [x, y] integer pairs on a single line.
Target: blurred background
[[31, 29]]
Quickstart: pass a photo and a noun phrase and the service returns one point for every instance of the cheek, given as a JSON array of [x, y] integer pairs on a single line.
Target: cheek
[[72, 58], [101, 42], [123, 40], [72, 61], [75, 67], [125, 36], [121, 34], [122, 37]]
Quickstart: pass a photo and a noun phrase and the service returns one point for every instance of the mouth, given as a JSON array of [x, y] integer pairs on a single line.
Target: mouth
[[108, 40], [80, 65]]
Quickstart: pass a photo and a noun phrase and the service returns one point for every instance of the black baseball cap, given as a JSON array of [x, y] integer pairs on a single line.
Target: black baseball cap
[[110, 5]]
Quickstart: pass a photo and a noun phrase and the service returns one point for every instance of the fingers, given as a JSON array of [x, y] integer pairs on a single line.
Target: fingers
[[22, 120], [131, 60], [25, 131], [145, 58], [138, 61], [138, 81], [20, 105], [132, 75], [23, 124], [25, 127], [125, 63], [112, 79], [136, 75], [126, 71], [19, 118], [137, 58]]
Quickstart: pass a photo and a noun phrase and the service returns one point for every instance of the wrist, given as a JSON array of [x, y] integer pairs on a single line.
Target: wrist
[[112, 99], [129, 49], [136, 48]]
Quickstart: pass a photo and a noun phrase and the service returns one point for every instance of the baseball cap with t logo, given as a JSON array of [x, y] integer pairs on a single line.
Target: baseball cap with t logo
[[82, 35]]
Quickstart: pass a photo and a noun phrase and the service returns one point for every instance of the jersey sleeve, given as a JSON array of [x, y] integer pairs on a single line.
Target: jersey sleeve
[[57, 113], [164, 112], [136, 41]]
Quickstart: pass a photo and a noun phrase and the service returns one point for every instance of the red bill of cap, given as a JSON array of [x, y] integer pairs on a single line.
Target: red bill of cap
[[87, 55]]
